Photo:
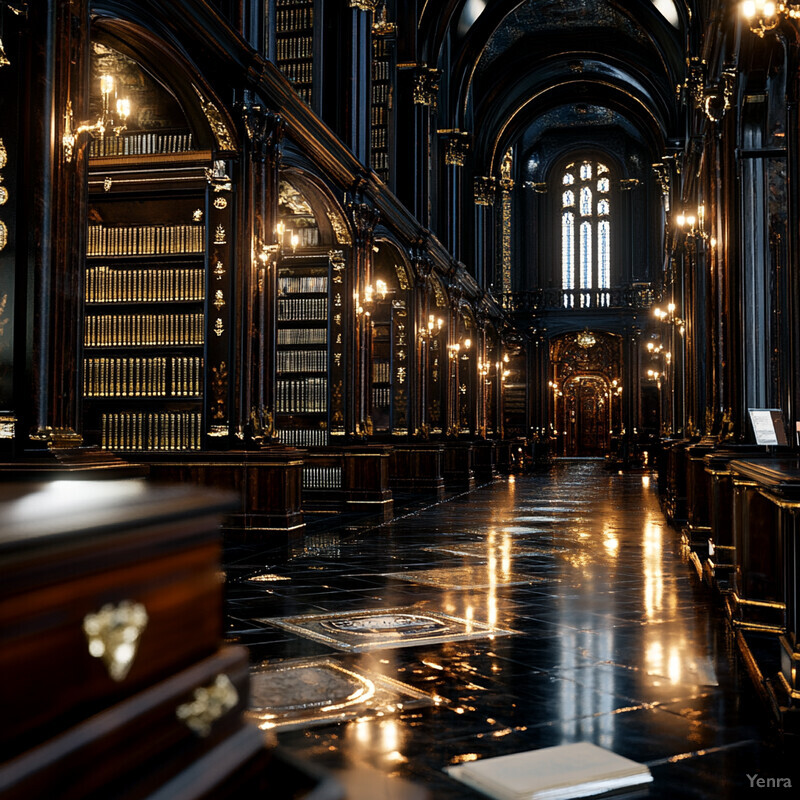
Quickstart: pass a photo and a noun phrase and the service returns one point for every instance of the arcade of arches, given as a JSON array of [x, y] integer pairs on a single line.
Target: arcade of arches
[[405, 383]]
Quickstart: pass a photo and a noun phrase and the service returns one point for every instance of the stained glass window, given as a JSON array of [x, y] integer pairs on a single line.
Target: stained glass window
[[567, 250], [586, 252]]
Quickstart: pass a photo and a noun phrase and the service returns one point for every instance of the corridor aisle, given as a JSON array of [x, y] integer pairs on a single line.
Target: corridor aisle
[[613, 640]]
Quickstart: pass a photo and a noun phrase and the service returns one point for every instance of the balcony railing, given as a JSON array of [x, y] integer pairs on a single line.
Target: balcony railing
[[639, 296]]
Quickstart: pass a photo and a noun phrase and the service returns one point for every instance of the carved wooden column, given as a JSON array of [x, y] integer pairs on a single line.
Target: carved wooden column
[[418, 87], [484, 193], [256, 296], [422, 335], [11, 198], [57, 91], [456, 147], [364, 218]]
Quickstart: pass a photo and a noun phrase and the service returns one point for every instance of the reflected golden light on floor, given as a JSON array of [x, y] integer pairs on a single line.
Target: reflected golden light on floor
[[653, 577], [645, 480]]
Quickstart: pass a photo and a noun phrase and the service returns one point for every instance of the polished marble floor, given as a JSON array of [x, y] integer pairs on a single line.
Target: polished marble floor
[[609, 637]]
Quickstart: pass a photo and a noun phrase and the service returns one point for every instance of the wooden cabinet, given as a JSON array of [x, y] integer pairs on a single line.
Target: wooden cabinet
[[110, 638]]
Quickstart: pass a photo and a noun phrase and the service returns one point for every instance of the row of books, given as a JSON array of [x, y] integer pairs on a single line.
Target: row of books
[[299, 71], [289, 336], [306, 284], [322, 477], [313, 309], [157, 284], [382, 396], [379, 138], [142, 377], [380, 69], [301, 396], [283, 3], [294, 48], [380, 115], [381, 372], [149, 431], [302, 361], [294, 19], [314, 437], [144, 240], [139, 144], [380, 163], [380, 93], [135, 330]]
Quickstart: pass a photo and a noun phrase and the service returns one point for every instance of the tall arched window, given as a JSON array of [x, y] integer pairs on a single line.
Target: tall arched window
[[585, 233]]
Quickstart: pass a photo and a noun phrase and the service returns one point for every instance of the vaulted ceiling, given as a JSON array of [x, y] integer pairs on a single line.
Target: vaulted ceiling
[[518, 71]]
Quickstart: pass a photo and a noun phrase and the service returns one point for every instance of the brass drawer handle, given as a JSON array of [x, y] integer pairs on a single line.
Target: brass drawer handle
[[209, 704], [113, 634]]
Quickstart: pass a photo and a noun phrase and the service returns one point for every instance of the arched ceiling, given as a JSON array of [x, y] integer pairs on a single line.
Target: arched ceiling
[[516, 67]]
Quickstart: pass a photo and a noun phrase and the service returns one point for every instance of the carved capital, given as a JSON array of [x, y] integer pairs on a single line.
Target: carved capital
[[364, 218], [426, 86], [484, 190], [456, 147], [264, 128], [717, 99], [662, 173], [364, 5], [422, 263]]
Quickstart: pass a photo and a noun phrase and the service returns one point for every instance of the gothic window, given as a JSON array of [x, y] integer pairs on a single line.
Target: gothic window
[[590, 246]]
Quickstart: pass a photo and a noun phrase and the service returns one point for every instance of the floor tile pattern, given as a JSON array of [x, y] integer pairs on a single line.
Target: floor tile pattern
[[618, 643]]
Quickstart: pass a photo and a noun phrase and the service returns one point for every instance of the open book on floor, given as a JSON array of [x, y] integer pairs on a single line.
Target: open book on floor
[[552, 773]]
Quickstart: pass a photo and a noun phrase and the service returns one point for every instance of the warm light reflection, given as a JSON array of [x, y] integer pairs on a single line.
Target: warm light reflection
[[653, 577], [645, 481], [674, 665], [610, 541]]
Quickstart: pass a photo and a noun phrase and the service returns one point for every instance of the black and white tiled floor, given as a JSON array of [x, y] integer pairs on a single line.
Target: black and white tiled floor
[[612, 639]]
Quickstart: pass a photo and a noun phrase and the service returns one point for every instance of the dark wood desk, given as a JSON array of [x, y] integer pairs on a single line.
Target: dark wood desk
[[765, 583]]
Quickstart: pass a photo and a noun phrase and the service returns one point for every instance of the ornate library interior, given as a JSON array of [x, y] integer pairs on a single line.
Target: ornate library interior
[[399, 399]]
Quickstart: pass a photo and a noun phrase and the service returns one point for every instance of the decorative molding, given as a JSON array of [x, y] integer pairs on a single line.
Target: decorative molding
[[339, 228], [219, 390], [219, 128], [381, 26], [265, 129], [456, 147], [717, 100], [484, 190], [364, 5], [662, 173], [365, 218], [426, 87]]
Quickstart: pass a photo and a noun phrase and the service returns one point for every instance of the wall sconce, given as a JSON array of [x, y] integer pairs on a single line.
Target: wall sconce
[[668, 316], [432, 328], [694, 223], [294, 239], [366, 305], [763, 17], [105, 121], [455, 349]]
